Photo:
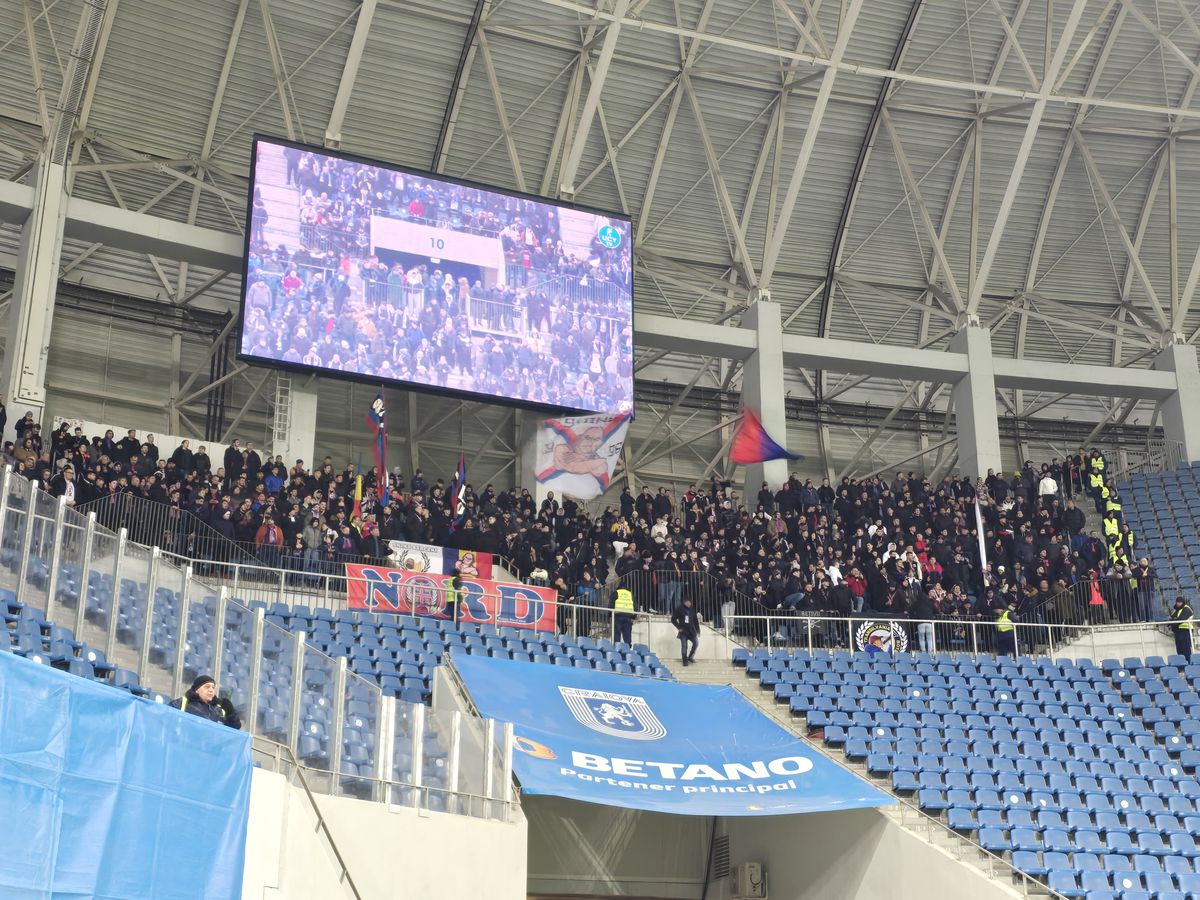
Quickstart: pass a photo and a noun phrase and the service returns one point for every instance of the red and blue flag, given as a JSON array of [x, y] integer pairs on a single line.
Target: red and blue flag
[[752, 444]]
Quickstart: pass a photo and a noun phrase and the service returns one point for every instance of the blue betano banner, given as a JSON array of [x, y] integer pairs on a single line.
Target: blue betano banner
[[106, 796], [644, 743]]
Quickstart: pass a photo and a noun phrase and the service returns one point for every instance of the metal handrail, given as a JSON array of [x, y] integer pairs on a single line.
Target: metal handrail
[[56, 529], [709, 595], [1077, 597], [1035, 636], [1158, 456], [386, 782], [322, 825]]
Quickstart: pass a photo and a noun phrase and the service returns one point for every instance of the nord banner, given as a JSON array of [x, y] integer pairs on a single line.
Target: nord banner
[[383, 590], [643, 743]]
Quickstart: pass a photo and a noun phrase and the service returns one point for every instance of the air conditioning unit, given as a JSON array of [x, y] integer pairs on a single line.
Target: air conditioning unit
[[749, 882]]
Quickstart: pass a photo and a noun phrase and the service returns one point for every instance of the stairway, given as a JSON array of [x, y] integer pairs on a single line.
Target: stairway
[[281, 199], [903, 813]]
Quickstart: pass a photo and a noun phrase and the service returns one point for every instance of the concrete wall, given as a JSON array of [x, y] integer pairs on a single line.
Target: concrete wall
[[592, 850], [389, 852], [662, 638], [1119, 643], [852, 855]]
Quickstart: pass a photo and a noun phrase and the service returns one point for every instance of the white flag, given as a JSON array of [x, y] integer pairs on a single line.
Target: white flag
[[983, 560], [578, 455]]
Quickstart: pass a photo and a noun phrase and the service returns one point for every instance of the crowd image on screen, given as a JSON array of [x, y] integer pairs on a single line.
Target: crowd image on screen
[[554, 328]]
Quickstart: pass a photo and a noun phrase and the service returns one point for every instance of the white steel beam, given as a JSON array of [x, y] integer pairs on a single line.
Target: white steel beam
[[281, 81], [210, 130], [914, 191], [1091, 381], [783, 220], [341, 102], [732, 224], [35, 65], [566, 177], [1131, 249], [1165, 40], [1189, 292], [961, 85], [501, 113], [664, 140], [1053, 66]]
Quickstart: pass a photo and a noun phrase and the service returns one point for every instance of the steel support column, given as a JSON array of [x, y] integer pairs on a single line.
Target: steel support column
[[34, 289], [1181, 410], [974, 397]]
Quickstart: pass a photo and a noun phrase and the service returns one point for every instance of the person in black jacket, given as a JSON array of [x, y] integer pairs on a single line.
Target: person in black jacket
[[201, 700], [685, 622]]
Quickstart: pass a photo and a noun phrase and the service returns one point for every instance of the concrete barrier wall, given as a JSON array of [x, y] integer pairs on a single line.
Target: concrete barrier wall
[[390, 852], [852, 855]]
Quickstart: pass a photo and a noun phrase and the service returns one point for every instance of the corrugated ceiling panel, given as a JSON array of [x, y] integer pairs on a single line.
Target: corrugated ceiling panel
[[404, 84]]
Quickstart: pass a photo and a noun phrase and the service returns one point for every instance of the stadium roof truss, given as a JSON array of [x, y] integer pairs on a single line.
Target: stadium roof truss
[[888, 172]]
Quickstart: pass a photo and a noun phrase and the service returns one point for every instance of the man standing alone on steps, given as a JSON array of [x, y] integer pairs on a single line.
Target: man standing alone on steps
[[622, 599], [1181, 624], [685, 622]]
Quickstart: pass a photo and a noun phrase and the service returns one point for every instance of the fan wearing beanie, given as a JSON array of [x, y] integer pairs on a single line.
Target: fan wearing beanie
[[201, 700]]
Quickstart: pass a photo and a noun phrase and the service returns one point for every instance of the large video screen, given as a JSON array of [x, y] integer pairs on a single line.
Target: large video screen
[[370, 271]]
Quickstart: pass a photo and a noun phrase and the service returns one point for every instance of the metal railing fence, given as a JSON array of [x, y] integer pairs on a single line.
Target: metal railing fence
[[971, 636], [714, 599], [167, 624]]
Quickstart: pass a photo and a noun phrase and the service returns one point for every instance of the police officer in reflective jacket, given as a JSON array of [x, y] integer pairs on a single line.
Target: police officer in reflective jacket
[[201, 700], [622, 600], [1181, 624]]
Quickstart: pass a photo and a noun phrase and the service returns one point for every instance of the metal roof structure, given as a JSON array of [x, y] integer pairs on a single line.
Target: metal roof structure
[[886, 171]]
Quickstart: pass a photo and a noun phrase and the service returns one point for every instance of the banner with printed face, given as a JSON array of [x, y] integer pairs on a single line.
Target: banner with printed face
[[644, 743], [578, 455], [440, 560], [384, 590]]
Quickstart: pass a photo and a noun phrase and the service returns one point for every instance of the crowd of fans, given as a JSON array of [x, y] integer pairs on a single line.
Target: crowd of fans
[[553, 329], [904, 548]]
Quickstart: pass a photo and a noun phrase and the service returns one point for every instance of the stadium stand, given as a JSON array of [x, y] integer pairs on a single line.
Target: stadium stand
[[1084, 775], [1165, 508], [398, 652], [401, 652], [794, 550], [30, 635]]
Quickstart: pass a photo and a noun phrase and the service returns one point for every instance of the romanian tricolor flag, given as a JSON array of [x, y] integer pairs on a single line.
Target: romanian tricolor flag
[[752, 444]]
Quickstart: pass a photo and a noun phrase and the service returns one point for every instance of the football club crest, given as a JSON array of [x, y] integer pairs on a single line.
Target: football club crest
[[617, 715], [881, 637], [425, 595]]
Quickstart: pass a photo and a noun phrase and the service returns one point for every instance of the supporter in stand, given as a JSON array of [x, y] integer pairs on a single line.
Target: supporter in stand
[[869, 547]]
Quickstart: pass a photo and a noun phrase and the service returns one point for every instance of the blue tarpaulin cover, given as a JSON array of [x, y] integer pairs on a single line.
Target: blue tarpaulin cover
[[104, 795], [643, 743]]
